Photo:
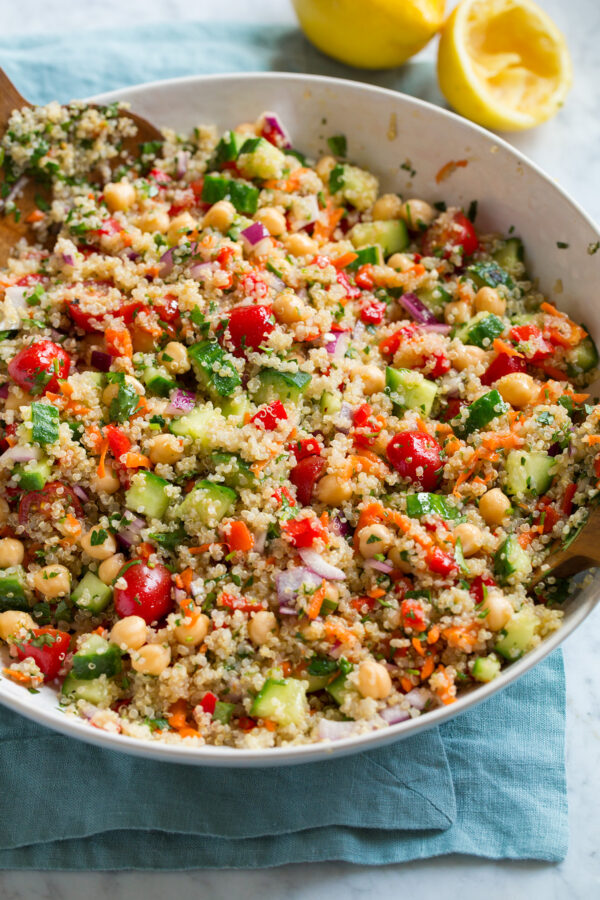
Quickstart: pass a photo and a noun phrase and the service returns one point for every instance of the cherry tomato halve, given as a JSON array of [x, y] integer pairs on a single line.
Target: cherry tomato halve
[[249, 326], [39, 367], [48, 648], [42, 502], [147, 594], [416, 456], [305, 475], [503, 365], [450, 232]]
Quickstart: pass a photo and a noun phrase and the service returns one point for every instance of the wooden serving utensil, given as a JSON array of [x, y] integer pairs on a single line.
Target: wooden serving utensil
[[10, 230], [583, 552]]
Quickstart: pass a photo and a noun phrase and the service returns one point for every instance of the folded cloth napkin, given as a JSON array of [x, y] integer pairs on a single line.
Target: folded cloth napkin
[[490, 783]]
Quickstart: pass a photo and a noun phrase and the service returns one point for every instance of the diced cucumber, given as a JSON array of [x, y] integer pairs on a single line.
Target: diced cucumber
[[206, 504], [339, 688], [259, 158], [486, 668], [223, 711], [480, 413], [355, 185], [423, 504], [275, 385], [32, 476], [409, 390], [243, 196], [12, 589], [330, 403], [317, 682], [282, 701], [229, 146], [517, 635], [370, 255], [235, 470], [202, 424], [237, 226], [92, 594], [529, 473], [511, 256], [489, 274], [583, 358], [214, 368], [96, 657], [147, 495], [98, 691], [391, 235], [158, 381], [511, 561], [434, 298], [481, 330], [45, 421], [235, 407]]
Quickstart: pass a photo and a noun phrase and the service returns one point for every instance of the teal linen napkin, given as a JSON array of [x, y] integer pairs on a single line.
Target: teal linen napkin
[[490, 783]]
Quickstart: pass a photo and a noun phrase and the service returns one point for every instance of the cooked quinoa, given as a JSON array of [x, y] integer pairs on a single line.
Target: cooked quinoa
[[279, 453]]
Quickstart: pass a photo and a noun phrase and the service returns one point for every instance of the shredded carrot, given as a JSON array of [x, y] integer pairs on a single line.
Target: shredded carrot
[[376, 593], [336, 631], [96, 439], [71, 528], [118, 342], [443, 428], [504, 347], [144, 550], [134, 460], [238, 537], [449, 168], [344, 260], [577, 398], [407, 684], [15, 675], [461, 636], [189, 732], [269, 725], [453, 445], [593, 439], [101, 470], [202, 548], [178, 715], [286, 668], [445, 688], [427, 668], [186, 578], [36, 216], [505, 440], [422, 427], [433, 634], [323, 230], [418, 646], [316, 601]]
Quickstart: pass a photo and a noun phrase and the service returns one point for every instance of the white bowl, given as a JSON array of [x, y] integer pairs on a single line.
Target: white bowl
[[405, 142]]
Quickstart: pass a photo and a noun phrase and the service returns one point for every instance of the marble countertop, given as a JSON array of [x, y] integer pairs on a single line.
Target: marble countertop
[[566, 148]]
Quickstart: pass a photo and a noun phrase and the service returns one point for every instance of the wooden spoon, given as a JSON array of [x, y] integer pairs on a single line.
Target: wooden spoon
[[12, 231], [583, 553]]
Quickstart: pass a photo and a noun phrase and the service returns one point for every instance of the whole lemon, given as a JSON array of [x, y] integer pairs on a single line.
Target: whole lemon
[[370, 34]]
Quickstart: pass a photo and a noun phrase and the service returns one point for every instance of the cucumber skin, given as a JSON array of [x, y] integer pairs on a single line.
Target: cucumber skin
[[143, 497], [537, 469], [413, 390], [290, 704], [511, 560], [517, 635], [12, 591], [99, 600]]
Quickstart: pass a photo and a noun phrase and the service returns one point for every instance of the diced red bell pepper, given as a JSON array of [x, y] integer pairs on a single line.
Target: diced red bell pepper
[[270, 416], [305, 475], [440, 562], [364, 277], [352, 291], [118, 442], [303, 532], [208, 702], [389, 345], [306, 447], [249, 326], [372, 311], [530, 341], [238, 603], [477, 587], [441, 366], [412, 614], [502, 365]]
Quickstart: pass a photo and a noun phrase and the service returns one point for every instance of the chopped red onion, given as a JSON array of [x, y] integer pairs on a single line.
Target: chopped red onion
[[555, 449], [288, 611], [394, 714], [291, 581], [315, 562], [379, 566], [166, 263], [345, 418], [132, 255], [201, 269], [77, 489], [182, 159], [101, 360], [338, 346], [418, 697], [68, 259], [260, 539], [14, 192], [417, 309], [20, 454], [305, 211], [340, 526], [274, 132], [130, 534], [439, 327], [180, 595], [181, 401], [329, 730], [254, 234], [4, 391]]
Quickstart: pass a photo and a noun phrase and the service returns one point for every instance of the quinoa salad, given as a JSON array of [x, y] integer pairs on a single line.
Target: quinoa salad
[[280, 452]]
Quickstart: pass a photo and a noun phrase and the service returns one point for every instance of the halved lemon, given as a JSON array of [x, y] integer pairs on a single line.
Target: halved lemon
[[503, 63]]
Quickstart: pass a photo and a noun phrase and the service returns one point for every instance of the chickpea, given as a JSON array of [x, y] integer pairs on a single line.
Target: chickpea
[[272, 219], [12, 621], [261, 626], [494, 506], [108, 483], [324, 166], [219, 216], [129, 633], [16, 398], [175, 358], [98, 543], [466, 356], [166, 448], [374, 539], [119, 196], [417, 214], [518, 389], [300, 245], [151, 659], [488, 299], [180, 226], [155, 219], [470, 537], [289, 309], [109, 568], [192, 632], [333, 490], [373, 379], [4, 510], [12, 552], [456, 312], [499, 610], [388, 206], [374, 680], [400, 261], [52, 581]]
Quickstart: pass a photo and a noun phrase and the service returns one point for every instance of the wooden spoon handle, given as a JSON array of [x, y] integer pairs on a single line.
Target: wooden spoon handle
[[583, 553], [10, 99]]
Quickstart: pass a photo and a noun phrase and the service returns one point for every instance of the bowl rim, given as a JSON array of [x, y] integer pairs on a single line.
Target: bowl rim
[[210, 755]]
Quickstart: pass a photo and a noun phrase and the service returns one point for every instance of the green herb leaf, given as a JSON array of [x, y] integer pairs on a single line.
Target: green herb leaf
[[45, 422]]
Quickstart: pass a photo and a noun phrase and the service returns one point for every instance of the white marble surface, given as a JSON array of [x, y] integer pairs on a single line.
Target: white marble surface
[[566, 148]]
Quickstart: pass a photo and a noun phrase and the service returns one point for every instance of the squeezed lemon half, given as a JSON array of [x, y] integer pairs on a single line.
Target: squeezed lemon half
[[503, 63]]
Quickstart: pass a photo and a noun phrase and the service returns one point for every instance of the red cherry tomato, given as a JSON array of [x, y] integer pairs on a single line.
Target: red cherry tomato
[[167, 309], [450, 232], [48, 648], [270, 416], [233, 603], [372, 311], [249, 326], [416, 456], [389, 345], [440, 562], [42, 502], [306, 447], [118, 442], [37, 368], [148, 593], [530, 341], [503, 365], [304, 476], [303, 532], [160, 177]]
